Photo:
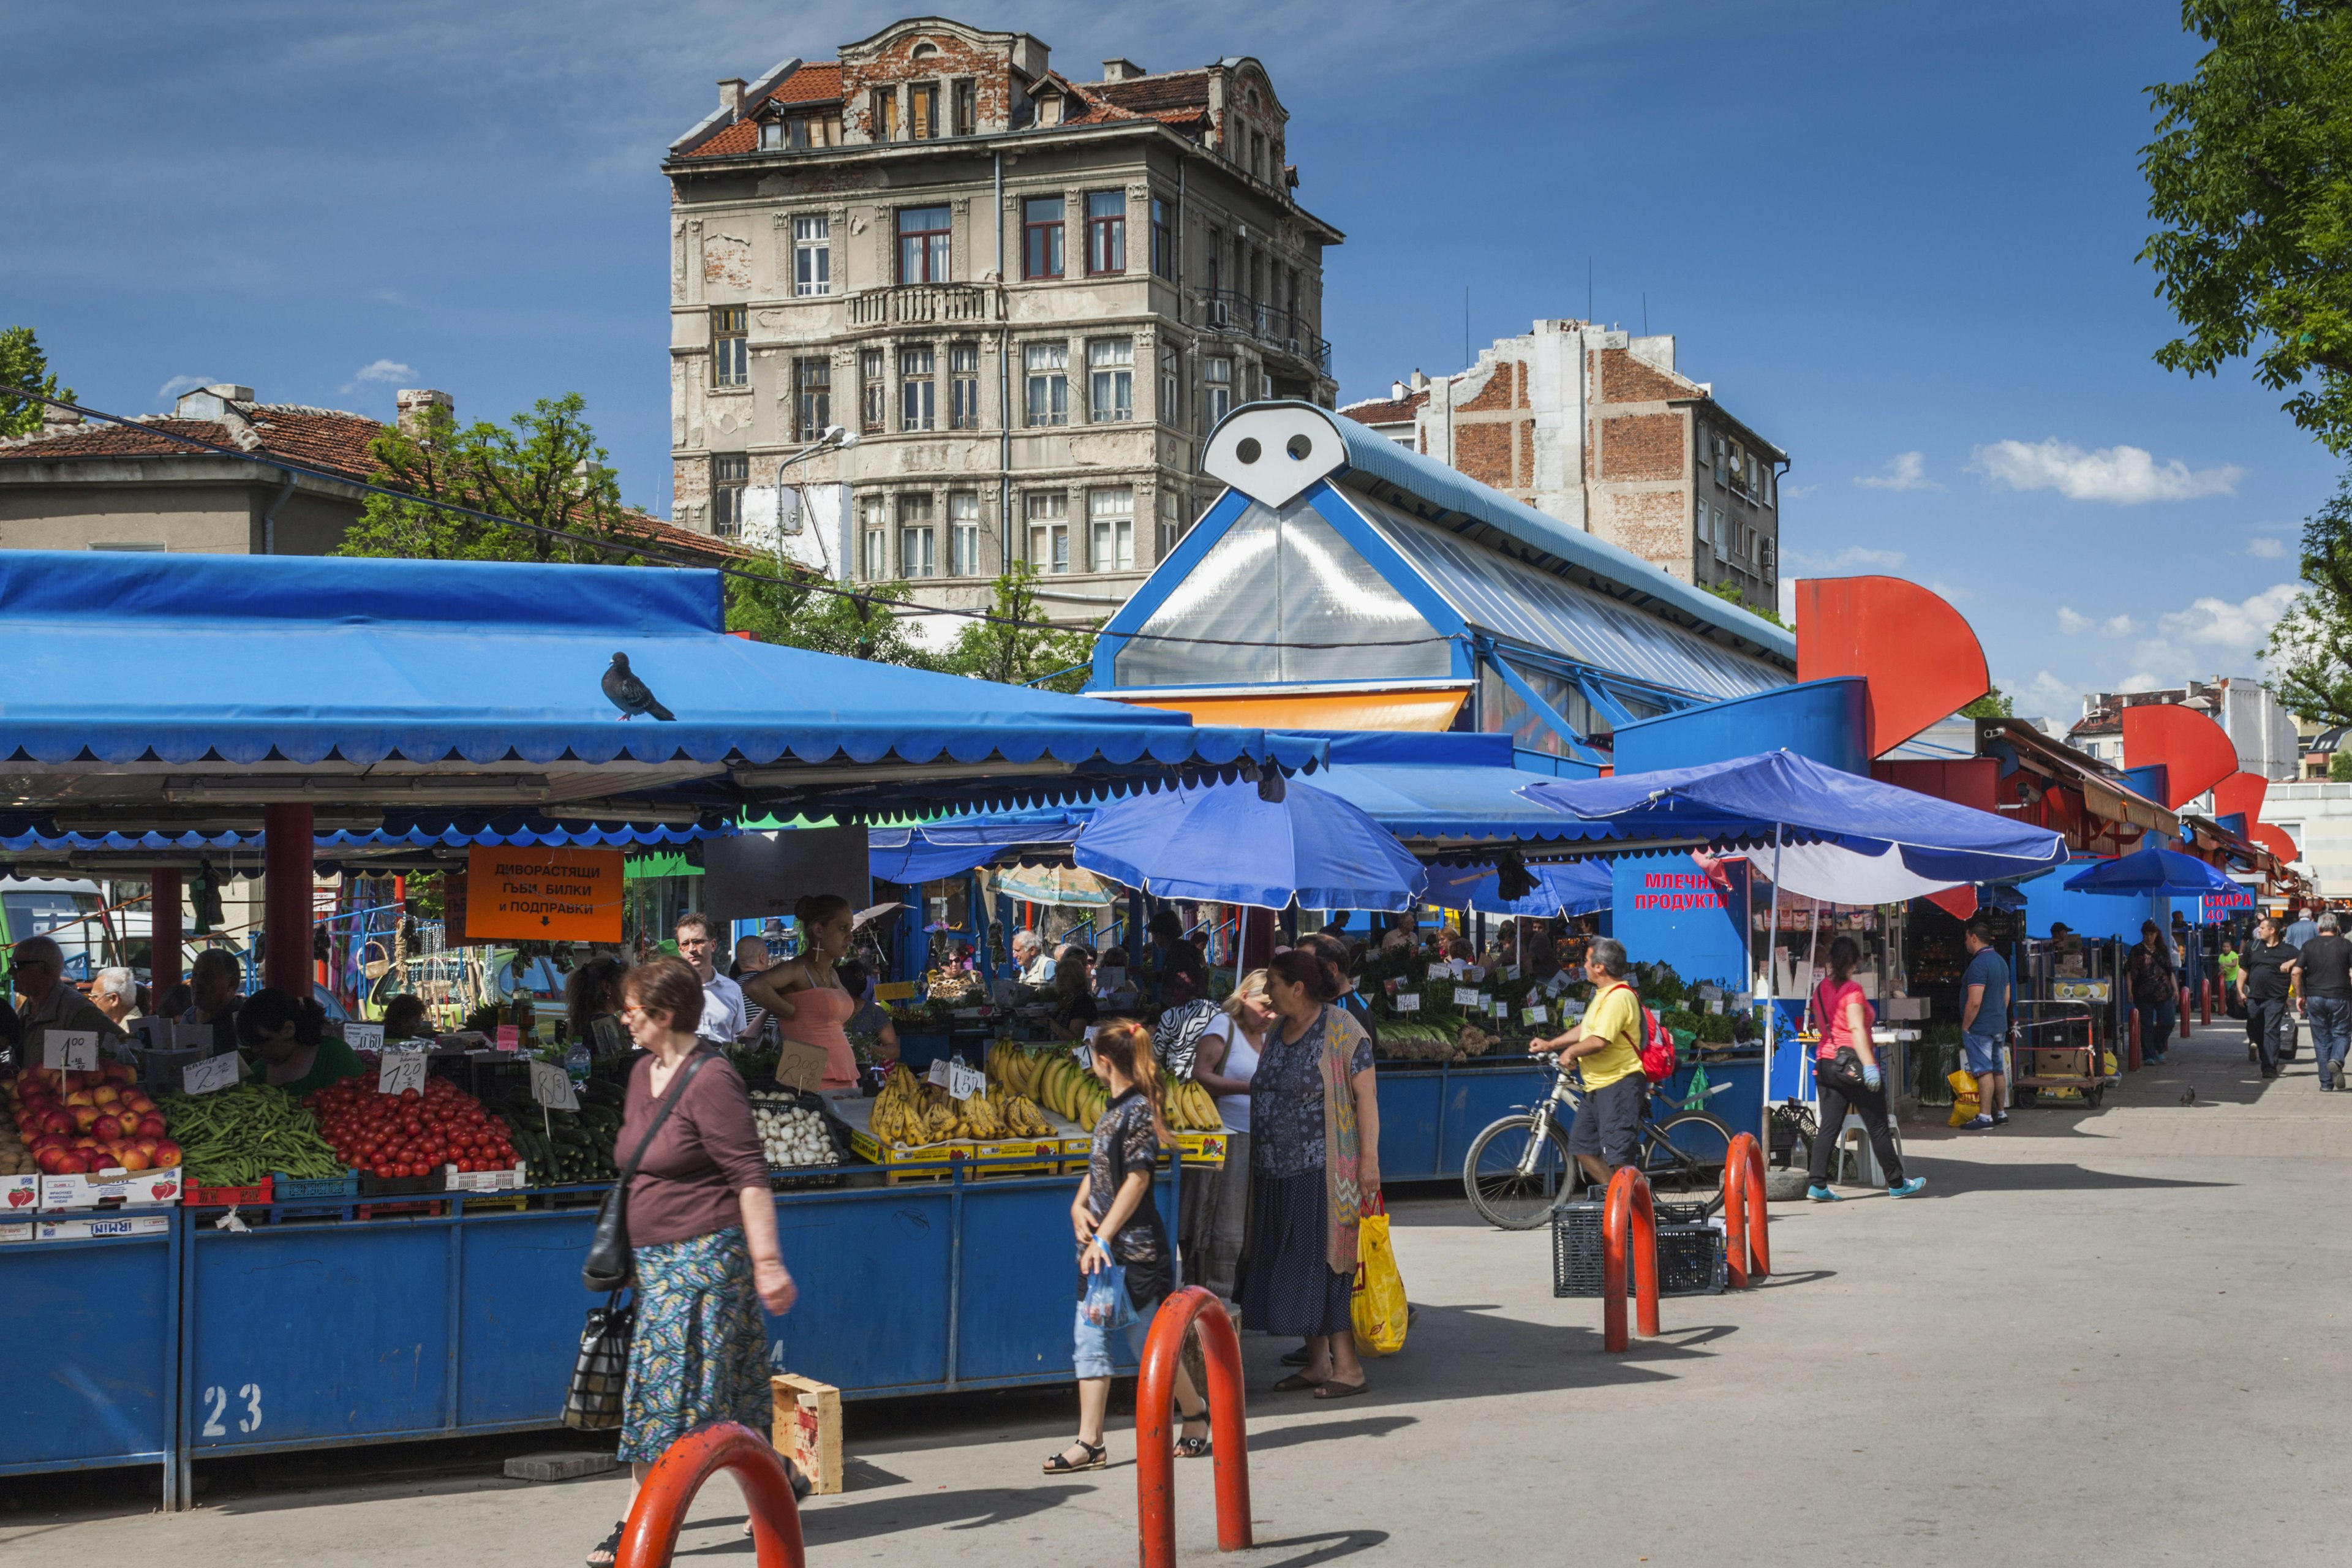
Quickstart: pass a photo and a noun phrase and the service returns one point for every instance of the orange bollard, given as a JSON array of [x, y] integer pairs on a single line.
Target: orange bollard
[[1628, 1222], [2132, 1060], [1155, 1440], [2184, 1012], [2205, 1007], [654, 1518], [1748, 1255]]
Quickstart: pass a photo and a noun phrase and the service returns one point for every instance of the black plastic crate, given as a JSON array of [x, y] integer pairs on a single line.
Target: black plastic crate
[[1690, 1251]]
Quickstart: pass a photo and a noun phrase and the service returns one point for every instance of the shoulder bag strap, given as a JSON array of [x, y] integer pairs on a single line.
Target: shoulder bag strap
[[662, 1108]]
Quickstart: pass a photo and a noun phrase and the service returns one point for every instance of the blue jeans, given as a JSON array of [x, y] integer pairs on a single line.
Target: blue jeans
[[2331, 1033], [1092, 1346], [1983, 1056], [2157, 1022]]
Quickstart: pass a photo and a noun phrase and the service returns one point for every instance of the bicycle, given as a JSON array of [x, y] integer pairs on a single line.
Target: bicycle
[[1519, 1168]]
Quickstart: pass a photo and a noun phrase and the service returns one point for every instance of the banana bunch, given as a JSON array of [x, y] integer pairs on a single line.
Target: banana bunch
[[900, 1113], [1022, 1120], [1069, 1090], [1015, 1068], [1189, 1107]]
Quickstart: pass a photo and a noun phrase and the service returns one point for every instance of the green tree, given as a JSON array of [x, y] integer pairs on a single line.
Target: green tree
[[2339, 767], [1024, 653], [787, 607], [1993, 704], [2310, 651], [24, 368], [2251, 178], [541, 467], [1729, 592]]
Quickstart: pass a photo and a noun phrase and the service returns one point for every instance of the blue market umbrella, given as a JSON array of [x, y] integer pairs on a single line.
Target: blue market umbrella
[[1222, 842], [2151, 872], [1574, 887]]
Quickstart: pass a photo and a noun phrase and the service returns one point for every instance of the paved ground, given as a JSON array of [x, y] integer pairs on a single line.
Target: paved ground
[[2105, 1337]]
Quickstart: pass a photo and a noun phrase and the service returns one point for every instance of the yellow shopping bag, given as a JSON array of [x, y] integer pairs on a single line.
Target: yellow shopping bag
[[1378, 1306], [1965, 1102]]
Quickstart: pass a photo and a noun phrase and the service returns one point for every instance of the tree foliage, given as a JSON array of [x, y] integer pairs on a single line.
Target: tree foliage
[[1993, 704], [2339, 767], [24, 368], [541, 467], [797, 613], [1729, 592], [1022, 655], [2310, 651], [2251, 178]]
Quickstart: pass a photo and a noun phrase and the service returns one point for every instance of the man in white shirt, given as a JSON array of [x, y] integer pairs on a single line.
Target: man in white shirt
[[1033, 968], [723, 1021]]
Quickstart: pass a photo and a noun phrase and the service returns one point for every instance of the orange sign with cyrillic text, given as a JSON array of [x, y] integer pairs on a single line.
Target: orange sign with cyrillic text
[[543, 894]]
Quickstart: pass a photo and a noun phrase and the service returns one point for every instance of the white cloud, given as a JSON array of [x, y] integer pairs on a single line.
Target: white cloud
[[178, 385], [2266, 549], [2244, 626], [1787, 596], [1906, 471], [2118, 626], [2071, 622], [2142, 681], [1852, 555], [2124, 475], [2054, 697], [381, 370], [1797, 492]]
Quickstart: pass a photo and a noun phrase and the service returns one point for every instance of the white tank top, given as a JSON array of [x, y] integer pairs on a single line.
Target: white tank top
[[1241, 1062]]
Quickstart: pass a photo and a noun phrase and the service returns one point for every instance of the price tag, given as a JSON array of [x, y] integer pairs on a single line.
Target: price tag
[[1092, 1030], [70, 1051], [1474, 972], [1408, 1001], [1466, 996], [1502, 1007], [551, 1086], [1535, 1016], [509, 1037], [216, 1072], [397, 1072], [963, 1082], [1457, 967], [1439, 970], [1510, 971], [363, 1037], [940, 1068]]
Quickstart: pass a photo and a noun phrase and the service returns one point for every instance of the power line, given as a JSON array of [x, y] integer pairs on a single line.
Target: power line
[[866, 602]]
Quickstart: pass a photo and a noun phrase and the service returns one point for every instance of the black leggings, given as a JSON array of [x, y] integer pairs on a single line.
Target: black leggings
[[1870, 1104]]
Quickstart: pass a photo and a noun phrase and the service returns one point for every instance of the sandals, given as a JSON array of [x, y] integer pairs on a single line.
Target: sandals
[[1296, 1381], [1193, 1448], [610, 1547], [1336, 1390], [1097, 1459]]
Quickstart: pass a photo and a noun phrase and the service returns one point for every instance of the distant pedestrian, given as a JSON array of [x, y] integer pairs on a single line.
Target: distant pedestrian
[[1847, 1077], [2324, 972], [722, 1000], [2301, 928], [1984, 1024], [2265, 983], [2154, 992], [1118, 1226]]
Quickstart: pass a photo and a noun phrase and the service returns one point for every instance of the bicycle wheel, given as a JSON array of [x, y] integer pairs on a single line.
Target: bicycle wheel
[[1491, 1178], [1685, 1153]]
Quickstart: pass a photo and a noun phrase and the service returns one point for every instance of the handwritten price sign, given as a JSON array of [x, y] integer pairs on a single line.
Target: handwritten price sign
[[551, 1086], [1467, 996], [963, 1082], [215, 1073], [363, 1037], [1408, 1001], [399, 1071], [70, 1051]]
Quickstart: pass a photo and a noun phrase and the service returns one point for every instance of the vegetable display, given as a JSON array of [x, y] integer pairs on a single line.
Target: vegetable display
[[72, 1123], [564, 1147], [235, 1137], [409, 1133], [791, 1134]]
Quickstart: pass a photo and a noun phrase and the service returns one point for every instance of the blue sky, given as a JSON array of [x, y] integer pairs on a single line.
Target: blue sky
[[1897, 239]]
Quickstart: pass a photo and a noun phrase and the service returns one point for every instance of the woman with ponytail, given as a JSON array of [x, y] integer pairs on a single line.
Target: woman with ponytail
[[1117, 1224], [805, 994], [1846, 1076]]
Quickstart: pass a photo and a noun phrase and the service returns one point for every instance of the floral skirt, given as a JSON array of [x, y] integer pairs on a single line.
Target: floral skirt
[[699, 1352]]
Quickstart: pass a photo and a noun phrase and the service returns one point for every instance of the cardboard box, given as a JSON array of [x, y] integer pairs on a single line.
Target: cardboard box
[[114, 1189], [808, 1429], [19, 1195], [111, 1224], [457, 1181], [21, 1230]]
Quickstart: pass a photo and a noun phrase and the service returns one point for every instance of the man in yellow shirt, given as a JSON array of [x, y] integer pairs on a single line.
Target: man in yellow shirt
[[1607, 1051]]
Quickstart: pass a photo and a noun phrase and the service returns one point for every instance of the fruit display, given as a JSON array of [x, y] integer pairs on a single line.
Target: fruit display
[[1069, 1090], [909, 1111], [15, 1160], [561, 1148], [410, 1134], [235, 1137], [793, 1132], [74, 1124]]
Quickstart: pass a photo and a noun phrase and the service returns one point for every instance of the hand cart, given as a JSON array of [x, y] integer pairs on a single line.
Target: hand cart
[[2055, 1046]]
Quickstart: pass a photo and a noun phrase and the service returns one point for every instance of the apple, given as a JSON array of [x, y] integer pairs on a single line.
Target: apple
[[132, 1160], [138, 1102], [150, 1126], [106, 1129], [79, 1097], [58, 1121], [167, 1156], [87, 1143], [105, 1094], [148, 1145], [85, 1117], [73, 1165], [51, 1160], [120, 1072]]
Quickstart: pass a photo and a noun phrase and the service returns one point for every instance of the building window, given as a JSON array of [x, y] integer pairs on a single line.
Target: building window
[[1720, 551], [873, 396], [812, 397], [1170, 529], [923, 245], [1106, 232], [731, 345], [963, 533], [871, 523], [918, 388], [1719, 452], [812, 256], [1219, 400], [729, 472], [1110, 367], [1049, 531], [772, 136], [1163, 238], [1112, 514], [803, 131], [1048, 368], [963, 386], [915, 557], [882, 114], [923, 111], [963, 121], [1171, 414], [1041, 237], [1216, 266]]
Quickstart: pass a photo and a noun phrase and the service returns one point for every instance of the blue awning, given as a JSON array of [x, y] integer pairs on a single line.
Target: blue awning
[[454, 831], [909, 856], [1747, 800], [2151, 871], [1573, 888], [147, 662]]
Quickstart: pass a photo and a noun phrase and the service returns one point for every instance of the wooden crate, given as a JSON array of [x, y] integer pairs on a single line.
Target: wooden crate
[[807, 1429]]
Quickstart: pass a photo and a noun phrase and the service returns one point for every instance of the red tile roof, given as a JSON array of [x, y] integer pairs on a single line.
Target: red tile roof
[[817, 82], [743, 136], [1151, 94], [1385, 410]]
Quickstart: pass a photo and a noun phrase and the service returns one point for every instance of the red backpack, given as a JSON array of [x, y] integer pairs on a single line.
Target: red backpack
[[1658, 1060]]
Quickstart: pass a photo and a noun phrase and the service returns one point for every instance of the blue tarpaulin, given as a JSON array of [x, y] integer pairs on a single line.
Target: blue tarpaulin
[[2152, 872], [949, 848], [174, 660], [1227, 842], [1571, 887], [1746, 800]]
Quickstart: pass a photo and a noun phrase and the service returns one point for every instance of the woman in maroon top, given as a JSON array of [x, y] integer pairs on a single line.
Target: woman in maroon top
[[702, 1233]]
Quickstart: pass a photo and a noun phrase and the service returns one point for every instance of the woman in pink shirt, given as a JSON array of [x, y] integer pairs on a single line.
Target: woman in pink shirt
[[1847, 1077]]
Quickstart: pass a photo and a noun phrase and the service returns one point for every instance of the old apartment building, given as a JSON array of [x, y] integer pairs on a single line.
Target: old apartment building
[[1597, 428], [1028, 299]]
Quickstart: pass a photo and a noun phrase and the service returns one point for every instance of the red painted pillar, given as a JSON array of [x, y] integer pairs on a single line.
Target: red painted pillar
[[286, 899], [164, 933]]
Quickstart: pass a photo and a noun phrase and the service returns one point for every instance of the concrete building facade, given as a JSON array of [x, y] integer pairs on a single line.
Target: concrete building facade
[[1027, 298], [2263, 732], [1596, 427]]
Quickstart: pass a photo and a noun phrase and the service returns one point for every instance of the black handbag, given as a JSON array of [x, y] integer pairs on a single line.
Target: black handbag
[[608, 1267]]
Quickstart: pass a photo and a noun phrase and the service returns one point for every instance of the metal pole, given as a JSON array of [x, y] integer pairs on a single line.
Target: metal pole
[[1771, 984], [286, 898]]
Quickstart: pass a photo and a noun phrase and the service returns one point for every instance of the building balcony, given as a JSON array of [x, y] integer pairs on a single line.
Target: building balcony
[[923, 304], [1227, 311]]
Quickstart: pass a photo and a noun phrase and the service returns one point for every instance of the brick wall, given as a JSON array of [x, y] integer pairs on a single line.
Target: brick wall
[[1499, 392], [1642, 446], [1653, 525], [1624, 379], [1484, 452], [894, 63]]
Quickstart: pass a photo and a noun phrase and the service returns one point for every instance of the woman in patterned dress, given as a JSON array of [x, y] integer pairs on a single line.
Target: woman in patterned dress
[[702, 1233]]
